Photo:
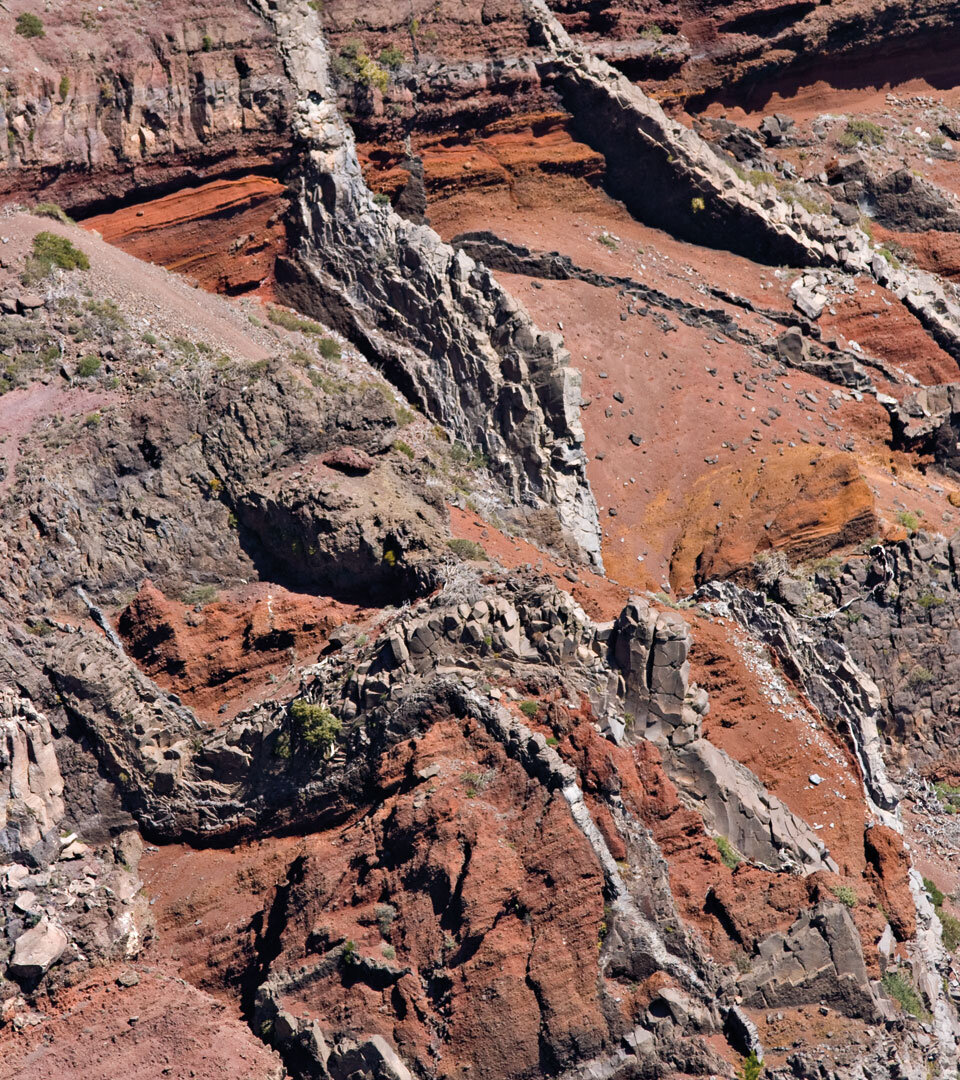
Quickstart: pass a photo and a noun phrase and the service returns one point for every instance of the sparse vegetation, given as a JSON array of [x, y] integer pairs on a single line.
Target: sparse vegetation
[[52, 251], [392, 57], [920, 676], [29, 25], [64, 87], [652, 32], [751, 1068], [88, 365], [728, 853], [467, 549], [909, 520], [404, 448], [903, 991], [949, 924], [930, 600], [354, 64], [861, 131], [200, 594], [529, 708], [697, 204], [845, 895], [51, 210], [316, 726]]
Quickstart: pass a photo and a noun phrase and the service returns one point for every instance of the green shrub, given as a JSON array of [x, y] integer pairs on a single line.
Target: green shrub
[[30, 25], [51, 210], [316, 726], [355, 64], [861, 131], [936, 896], [200, 594], [920, 676], [467, 549], [751, 1068], [652, 33], [64, 87], [950, 925], [392, 57], [348, 954], [88, 365], [92, 420], [404, 448], [902, 991], [845, 895], [909, 520], [290, 320], [930, 600], [530, 708], [51, 250], [697, 204], [728, 853], [207, 43], [329, 349]]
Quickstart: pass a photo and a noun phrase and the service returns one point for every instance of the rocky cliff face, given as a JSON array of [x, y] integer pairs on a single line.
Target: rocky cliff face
[[530, 651]]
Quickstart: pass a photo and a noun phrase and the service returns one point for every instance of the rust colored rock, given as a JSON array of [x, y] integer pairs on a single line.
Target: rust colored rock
[[224, 235], [806, 503], [888, 865], [228, 650], [348, 459]]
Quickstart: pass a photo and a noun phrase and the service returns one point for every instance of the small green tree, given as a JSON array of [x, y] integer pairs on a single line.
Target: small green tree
[[30, 25], [315, 725]]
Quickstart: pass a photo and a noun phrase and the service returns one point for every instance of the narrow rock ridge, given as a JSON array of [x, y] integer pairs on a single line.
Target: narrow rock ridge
[[439, 326], [839, 688], [669, 176]]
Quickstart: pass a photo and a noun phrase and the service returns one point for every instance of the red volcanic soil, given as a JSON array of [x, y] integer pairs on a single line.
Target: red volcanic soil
[[162, 1028], [225, 235], [704, 422], [227, 653]]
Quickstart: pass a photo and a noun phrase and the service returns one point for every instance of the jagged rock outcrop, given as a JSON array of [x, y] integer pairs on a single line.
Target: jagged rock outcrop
[[438, 325], [820, 957], [63, 902]]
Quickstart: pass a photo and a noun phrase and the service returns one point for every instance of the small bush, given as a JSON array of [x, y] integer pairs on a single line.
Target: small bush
[[936, 896], [290, 320], [392, 57], [845, 895], [88, 365], [950, 925], [751, 1068], [92, 420], [930, 600], [30, 25], [51, 210], [909, 520], [64, 87], [862, 131], [652, 33], [467, 549], [404, 448], [207, 43], [348, 954], [697, 204], [530, 708], [200, 594], [385, 914], [329, 349], [902, 991], [728, 853], [920, 676], [317, 727], [50, 251]]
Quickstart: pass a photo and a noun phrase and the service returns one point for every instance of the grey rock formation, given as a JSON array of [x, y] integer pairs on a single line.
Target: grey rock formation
[[439, 326], [819, 957]]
